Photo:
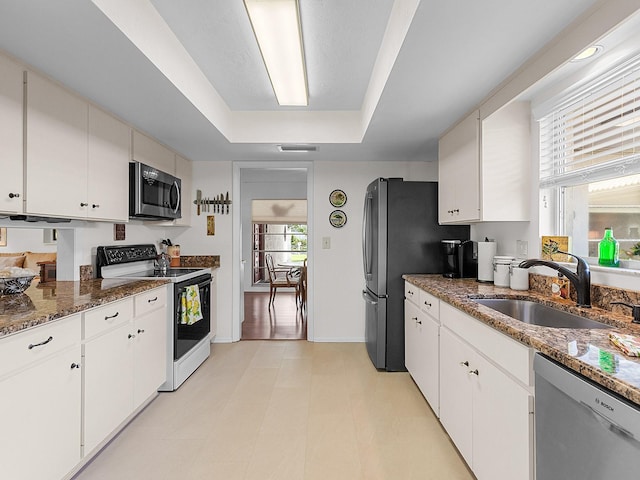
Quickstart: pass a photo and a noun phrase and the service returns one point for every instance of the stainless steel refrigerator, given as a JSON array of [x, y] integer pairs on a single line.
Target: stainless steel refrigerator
[[400, 235]]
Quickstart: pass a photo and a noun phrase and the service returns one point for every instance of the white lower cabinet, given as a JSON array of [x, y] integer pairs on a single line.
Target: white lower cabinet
[[40, 401], [486, 406], [124, 362]]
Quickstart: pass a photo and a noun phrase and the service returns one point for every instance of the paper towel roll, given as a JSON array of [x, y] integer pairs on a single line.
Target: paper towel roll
[[486, 252]]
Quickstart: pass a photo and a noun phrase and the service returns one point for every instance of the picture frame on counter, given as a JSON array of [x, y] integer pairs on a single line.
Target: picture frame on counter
[[3, 237]]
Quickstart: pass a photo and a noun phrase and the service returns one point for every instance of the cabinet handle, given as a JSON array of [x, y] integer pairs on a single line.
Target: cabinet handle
[[140, 330], [473, 372], [14, 195], [427, 304], [75, 365], [131, 335], [464, 364], [33, 345], [111, 316], [151, 300], [82, 204], [457, 210], [95, 205]]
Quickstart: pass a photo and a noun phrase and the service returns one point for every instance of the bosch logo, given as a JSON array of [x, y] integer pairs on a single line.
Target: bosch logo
[[604, 404]]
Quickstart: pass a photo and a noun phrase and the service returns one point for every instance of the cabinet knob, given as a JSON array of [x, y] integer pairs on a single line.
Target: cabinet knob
[[473, 372], [418, 322], [14, 195], [131, 335], [457, 210], [82, 204], [464, 364], [140, 330], [75, 365], [95, 205]]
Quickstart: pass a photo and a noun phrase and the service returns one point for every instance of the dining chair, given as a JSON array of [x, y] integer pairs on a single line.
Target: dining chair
[[303, 285], [281, 278]]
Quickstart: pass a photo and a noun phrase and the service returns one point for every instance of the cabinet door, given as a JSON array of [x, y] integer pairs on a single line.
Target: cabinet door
[[41, 419], [108, 167], [459, 172], [456, 391], [108, 384], [11, 87], [429, 345], [412, 356], [502, 425], [150, 152], [183, 172], [150, 355], [56, 150]]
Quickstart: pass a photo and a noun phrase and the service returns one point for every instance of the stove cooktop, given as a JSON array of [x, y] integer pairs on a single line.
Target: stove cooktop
[[169, 273]]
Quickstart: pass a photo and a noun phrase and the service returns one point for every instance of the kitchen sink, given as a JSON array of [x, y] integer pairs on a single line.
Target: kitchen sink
[[537, 314]]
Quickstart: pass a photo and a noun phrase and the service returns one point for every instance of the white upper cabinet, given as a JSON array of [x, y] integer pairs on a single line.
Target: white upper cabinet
[[77, 156], [148, 151], [108, 167], [484, 167], [11, 88], [459, 173], [56, 150]]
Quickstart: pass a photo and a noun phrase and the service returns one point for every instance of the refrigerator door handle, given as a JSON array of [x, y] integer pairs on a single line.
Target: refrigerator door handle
[[366, 264], [368, 298]]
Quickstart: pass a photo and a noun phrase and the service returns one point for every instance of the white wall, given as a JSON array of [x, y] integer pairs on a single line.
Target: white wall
[[26, 239], [338, 308], [212, 178]]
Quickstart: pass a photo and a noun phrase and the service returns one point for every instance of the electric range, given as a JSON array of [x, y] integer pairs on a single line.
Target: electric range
[[188, 345]]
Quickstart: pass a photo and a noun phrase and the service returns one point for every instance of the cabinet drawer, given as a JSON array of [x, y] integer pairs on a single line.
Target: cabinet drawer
[[411, 292], [430, 304], [513, 357], [22, 349], [101, 319], [151, 300]]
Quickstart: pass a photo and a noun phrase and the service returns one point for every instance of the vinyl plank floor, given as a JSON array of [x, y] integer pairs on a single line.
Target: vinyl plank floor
[[284, 410]]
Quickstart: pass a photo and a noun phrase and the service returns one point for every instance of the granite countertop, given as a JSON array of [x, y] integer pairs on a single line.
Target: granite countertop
[[588, 352], [42, 303]]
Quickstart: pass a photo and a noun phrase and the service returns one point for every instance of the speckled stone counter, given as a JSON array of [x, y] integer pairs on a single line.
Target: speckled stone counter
[[588, 352], [43, 303]]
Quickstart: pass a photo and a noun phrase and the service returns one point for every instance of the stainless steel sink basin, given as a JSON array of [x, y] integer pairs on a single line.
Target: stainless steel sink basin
[[538, 314]]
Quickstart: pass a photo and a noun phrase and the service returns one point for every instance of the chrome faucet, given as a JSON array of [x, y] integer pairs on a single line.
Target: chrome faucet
[[581, 280]]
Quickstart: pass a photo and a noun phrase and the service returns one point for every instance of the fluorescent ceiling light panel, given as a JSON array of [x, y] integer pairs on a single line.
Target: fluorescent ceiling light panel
[[276, 25]]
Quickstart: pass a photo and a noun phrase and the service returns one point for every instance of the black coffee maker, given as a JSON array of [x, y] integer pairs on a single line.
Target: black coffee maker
[[460, 258]]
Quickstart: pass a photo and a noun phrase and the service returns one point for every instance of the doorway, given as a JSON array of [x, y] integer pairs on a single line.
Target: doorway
[[252, 317]]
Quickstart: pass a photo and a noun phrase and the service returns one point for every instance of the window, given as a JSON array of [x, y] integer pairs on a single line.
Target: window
[[590, 164], [279, 229]]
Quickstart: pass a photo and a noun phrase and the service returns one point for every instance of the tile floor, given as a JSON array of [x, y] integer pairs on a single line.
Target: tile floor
[[284, 410]]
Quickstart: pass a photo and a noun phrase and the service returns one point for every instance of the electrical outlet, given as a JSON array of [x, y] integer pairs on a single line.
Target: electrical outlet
[[522, 248], [326, 242]]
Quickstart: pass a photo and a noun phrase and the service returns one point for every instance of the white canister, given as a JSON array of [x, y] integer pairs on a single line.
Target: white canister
[[486, 252], [519, 277], [501, 265]]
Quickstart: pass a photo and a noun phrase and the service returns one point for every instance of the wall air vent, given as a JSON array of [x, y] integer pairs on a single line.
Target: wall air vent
[[297, 148]]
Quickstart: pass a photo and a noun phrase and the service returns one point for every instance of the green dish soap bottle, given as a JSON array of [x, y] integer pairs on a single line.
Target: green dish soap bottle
[[609, 250]]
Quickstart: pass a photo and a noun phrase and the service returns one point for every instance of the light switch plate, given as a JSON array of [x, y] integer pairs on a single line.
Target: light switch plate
[[326, 242]]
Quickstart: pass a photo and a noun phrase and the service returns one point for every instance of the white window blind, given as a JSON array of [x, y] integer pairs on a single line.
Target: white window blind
[[595, 135], [281, 212]]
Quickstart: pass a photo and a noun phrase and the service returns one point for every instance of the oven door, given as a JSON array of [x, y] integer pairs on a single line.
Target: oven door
[[153, 193], [186, 336]]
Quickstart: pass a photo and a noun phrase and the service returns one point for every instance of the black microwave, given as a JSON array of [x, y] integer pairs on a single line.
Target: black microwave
[[153, 194]]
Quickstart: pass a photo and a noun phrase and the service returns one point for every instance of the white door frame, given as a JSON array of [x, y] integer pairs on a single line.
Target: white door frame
[[237, 290]]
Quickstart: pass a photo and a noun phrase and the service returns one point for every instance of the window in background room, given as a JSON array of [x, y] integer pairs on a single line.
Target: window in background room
[[590, 164], [279, 229]]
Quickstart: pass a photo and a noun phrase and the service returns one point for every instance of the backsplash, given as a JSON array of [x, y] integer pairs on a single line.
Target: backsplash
[[601, 295]]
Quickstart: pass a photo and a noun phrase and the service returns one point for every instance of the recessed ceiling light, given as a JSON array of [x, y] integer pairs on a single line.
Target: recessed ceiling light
[[588, 53], [299, 148], [276, 25]]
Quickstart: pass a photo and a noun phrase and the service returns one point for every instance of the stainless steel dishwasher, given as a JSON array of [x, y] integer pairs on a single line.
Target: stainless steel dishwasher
[[582, 430]]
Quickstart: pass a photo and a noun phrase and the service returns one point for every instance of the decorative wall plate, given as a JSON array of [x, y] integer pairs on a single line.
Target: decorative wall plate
[[337, 218], [338, 198]]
